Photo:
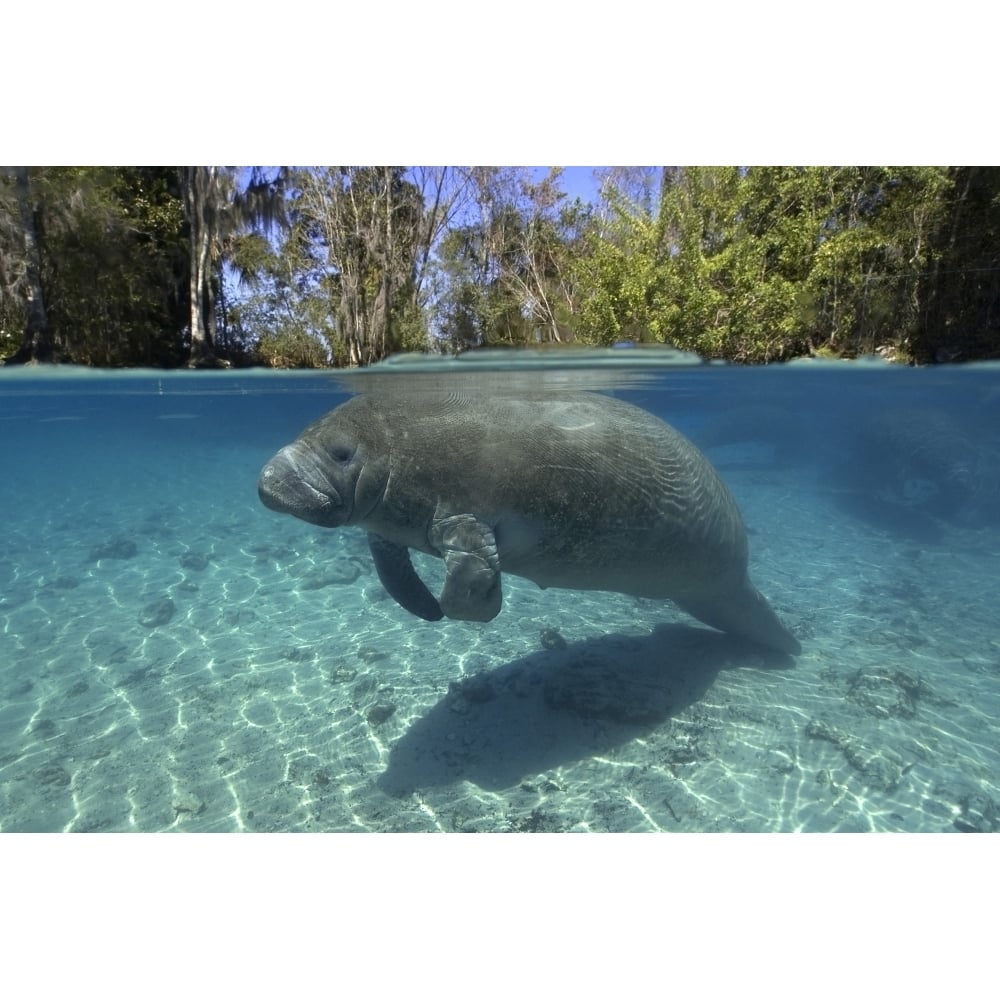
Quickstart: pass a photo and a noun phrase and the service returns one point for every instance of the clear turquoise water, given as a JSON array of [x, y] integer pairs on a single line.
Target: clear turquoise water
[[174, 656]]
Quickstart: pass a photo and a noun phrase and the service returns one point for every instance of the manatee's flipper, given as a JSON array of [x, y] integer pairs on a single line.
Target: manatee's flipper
[[392, 563], [472, 566], [743, 611]]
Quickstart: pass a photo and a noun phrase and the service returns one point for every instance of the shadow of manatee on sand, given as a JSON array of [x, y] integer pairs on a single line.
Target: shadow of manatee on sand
[[495, 728]]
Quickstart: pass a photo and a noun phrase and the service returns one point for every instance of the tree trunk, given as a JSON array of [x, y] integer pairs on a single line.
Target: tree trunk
[[200, 203], [383, 316], [38, 344]]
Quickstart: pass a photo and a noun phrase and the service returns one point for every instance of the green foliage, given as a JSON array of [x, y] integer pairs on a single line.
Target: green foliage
[[410, 328], [357, 232], [344, 265], [290, 347], [765, 263], [960, 293], [508, 267], [471, 311], [284, 317], [112, 263]]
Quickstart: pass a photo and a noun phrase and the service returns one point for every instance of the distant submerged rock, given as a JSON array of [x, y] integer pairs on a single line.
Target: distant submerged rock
[[157, 612], [115, 548]]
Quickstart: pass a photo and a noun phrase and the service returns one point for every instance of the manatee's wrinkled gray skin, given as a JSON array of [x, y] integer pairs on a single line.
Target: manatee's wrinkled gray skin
[[573, 490]]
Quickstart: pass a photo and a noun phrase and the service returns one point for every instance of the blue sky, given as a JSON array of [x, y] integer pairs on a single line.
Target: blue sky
[[578, 182]]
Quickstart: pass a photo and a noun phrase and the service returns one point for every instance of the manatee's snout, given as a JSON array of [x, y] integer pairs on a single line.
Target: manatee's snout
[[293, 482]]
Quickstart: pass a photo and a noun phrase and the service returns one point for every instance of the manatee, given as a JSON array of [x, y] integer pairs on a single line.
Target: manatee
[[921, 459], [766, 425], [568, 489]]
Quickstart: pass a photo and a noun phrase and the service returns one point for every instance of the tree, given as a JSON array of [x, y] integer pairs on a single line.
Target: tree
[[215, 211], [445, 193], [508, 263], [629, 286], [367, 223], [109, 260], [205, 190], [131, 265], [23, 272], [762, 263], [287, 319], [874, 248], [960, 290]]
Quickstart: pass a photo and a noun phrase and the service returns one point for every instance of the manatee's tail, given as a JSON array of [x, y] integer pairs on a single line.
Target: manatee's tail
[[743, 611]]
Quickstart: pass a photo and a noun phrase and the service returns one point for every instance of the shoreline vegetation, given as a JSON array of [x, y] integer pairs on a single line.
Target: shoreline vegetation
[[282, 267]]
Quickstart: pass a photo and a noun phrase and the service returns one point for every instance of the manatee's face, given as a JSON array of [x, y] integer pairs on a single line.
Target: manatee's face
[[316, 477]]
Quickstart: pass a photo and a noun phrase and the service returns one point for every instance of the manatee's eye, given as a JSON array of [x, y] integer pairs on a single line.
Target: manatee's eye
[[341, 453]]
